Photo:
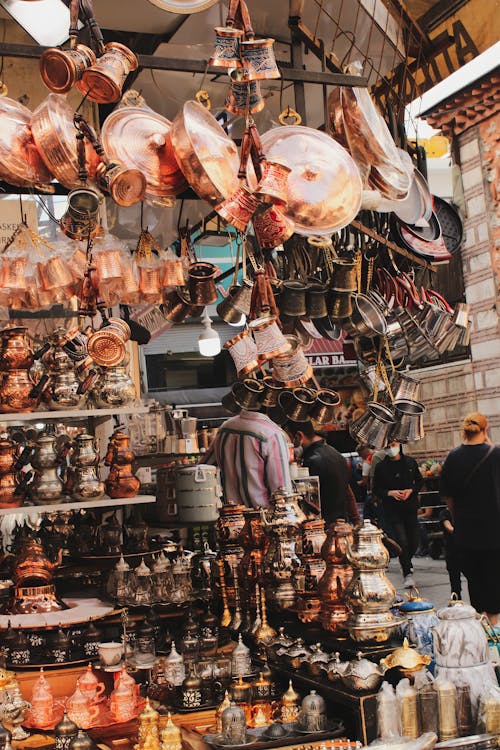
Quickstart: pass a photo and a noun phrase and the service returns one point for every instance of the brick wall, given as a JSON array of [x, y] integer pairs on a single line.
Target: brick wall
[[451, 391]]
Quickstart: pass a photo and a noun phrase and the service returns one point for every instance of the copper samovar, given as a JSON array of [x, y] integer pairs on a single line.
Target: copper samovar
[[336, 578], [16, 358], [85, 482], [11, 495], [121, 481]]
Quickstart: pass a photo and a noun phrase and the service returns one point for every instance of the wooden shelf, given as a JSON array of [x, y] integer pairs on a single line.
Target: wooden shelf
[[44, 416], [105, 502]]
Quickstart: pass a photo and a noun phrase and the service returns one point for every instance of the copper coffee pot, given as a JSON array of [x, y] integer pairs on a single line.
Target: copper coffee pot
[[16, 352], [103, 81], [121, 482]]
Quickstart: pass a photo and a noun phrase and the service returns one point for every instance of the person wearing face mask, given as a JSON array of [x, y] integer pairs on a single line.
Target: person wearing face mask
[[396, 482], [330, 466]]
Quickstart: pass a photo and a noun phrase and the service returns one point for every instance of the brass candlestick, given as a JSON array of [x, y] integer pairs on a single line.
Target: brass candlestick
[[237, 616], [226, 614], [264, 632]]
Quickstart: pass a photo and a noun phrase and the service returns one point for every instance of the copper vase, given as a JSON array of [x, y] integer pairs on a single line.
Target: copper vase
[[104, 80]]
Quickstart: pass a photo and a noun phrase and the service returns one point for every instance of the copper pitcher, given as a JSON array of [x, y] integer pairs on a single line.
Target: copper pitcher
[[62, 68], [243, 95], [177, 306], [16, 392], [81, 219], [15, 352], [227, 47], [103, 81], [201, 280]]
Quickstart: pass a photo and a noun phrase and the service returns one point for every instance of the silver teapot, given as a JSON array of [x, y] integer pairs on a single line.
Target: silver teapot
[[86, 483], [85, 451], [362, 674], [366, 551], [114, 388], [47, 486], [64, 384]]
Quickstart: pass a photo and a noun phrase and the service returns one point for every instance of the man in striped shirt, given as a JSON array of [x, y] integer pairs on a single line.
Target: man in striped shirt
[[252, 454]]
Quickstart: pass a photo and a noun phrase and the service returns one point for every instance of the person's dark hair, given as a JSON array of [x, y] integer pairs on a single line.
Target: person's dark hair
[[305, 427]]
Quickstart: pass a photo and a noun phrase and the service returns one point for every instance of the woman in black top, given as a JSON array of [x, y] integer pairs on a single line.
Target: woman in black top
[[396, 483], [470, 484]]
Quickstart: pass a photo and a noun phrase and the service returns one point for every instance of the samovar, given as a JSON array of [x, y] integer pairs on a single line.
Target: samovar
[[121, 481], [370, 594], [85, 480], [283, 520], [336, 578], [114, 388], [47, 486], [11, 494], [32, 575]]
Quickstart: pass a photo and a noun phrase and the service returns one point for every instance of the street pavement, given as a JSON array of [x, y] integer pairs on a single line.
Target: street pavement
[[431, 578]]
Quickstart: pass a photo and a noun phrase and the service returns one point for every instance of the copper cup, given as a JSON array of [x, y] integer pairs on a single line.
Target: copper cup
[[272, 187], [177, 307], [316, 300], [323, 410], [81, 219], [126, 186], [174, 272], [243, 351], [257, 56], [227, 47], [344, 276], [272, 228], [269, 339], [239, 208], [243, 95], [201, 279], [54, 274], [248, 393], [297, 404], [293, 298], [272, 392], [62, 68], [292, 369], [150, 283], [236, 303], [339, 304], [103, 81]]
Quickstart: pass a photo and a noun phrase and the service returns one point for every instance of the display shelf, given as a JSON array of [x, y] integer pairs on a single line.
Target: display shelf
[[105, 502], [43, 416]]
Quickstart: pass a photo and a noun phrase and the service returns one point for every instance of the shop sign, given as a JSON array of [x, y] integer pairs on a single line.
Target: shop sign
[[328, 360], [10, 216]]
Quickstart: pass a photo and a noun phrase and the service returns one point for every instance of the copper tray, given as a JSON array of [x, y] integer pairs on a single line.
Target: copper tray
[[207, 156], [20, 161], [55, 137], [294, 736], [139, 138], [324, 186]]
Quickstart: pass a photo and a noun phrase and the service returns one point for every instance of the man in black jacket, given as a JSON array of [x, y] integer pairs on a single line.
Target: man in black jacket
[[323, 461], [396, 482]]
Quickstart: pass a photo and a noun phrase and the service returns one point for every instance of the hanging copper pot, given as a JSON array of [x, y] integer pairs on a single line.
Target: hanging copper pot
[[268, 337], [243, 95], [292, 369], [177, 307], [227, 47], [62, 68], [243, 351], [21, 163], [272, 228], [316, 300], [103, 81], [293, 298], [344, 275], [201, 280], [55, 137], [81, 219], [207, 156], [140, 139], [323, 411], [272, 187], [259, 62], [126, 186], [239, 208], [236, 303]]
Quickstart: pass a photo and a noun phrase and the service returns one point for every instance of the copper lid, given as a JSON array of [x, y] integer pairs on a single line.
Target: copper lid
[[20, 161], [55, 137], [139, 138], [324, 186], [205, 153]]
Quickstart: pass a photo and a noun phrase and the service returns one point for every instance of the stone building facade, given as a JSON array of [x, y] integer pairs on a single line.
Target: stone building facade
[[471, 119]]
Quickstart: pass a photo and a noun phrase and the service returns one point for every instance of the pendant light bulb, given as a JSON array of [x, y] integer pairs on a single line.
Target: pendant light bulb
[[209, 340]]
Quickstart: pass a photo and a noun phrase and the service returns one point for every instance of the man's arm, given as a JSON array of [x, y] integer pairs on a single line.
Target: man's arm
[[277, 463]]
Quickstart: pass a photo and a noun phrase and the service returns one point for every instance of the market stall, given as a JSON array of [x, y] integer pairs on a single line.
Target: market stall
[[141, 607]]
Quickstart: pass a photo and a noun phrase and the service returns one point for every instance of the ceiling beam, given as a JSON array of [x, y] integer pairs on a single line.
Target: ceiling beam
[[180, 65]]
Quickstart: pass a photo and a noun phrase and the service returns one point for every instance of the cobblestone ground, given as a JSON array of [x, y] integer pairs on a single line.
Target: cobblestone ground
[[431, 578]]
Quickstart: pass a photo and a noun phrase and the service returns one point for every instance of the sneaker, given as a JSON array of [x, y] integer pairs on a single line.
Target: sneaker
[[409, 581]]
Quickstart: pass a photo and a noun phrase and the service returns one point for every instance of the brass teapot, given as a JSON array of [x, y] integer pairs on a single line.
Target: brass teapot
[[367, 551]]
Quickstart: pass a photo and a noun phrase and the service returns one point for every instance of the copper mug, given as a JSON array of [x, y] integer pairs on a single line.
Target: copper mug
[[297, 404], [201, 280], [272, 392], [339, 304], [177, 307], [323, 410], [239, 208], [103, 81], [227, 47], [243, 95], [81, 219], [62, 68], [272, 228], [248, 393], [257, 56], [344, 276], [316, 300], [293, 299]]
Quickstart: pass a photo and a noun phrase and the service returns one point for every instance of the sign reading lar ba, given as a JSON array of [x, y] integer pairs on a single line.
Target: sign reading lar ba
[[328, 360], [10, 217]]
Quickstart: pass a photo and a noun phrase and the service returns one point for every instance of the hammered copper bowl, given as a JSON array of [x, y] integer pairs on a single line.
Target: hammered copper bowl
[[207, 156], [21, 163]]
